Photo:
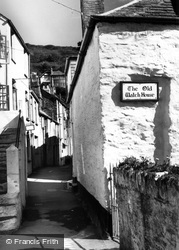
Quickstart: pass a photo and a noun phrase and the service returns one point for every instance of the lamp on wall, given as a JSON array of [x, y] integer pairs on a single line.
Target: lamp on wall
[[175, 4]]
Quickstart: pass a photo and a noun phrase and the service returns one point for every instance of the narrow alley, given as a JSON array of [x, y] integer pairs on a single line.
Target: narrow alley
[[53, 208]]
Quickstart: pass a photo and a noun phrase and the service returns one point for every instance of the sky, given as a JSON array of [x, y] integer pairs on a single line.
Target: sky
[[44, 22]]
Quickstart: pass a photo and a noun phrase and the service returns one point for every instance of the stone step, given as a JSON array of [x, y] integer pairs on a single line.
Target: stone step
[[2, 155], [9, 224], [8, 136], [7, 211], [9, 131], [2, 167], [4, 146], [3, 178], [3, 190], [2, 162], [12, 131], [7, 140]]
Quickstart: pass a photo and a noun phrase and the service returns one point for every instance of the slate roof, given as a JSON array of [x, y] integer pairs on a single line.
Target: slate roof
[[144, 8], [148, 11]]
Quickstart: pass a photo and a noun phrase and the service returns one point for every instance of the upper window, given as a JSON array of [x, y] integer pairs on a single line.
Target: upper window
[[3, 48]]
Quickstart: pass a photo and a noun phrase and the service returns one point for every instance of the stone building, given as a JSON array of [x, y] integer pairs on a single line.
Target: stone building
[[125, 54]]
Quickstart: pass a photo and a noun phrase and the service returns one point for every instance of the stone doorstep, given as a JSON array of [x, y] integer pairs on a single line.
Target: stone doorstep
[[9, 199], [9, 224], [3, 188], [8, 210]]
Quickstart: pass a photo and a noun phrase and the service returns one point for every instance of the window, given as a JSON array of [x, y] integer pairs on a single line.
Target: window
[[14, 95], [3, 48], [27, 106], [36, 110], [4, 97], [31, 109]]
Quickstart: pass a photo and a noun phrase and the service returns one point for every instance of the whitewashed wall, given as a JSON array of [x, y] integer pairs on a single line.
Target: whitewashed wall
[[88, 133], [17, 68], [140, 52], [105, 130]]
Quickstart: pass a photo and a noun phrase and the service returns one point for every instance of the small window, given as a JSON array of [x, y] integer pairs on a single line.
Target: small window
[[3, 48], [4, 97]]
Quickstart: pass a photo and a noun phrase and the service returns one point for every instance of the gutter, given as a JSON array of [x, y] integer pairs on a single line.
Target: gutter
[[94, 19], [42, 113]]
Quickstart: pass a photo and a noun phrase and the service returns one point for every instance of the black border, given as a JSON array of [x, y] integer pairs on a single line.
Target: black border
[[138, 100]]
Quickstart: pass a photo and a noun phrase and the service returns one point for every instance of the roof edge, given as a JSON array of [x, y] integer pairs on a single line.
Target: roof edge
[[94, 19], [17, 33]]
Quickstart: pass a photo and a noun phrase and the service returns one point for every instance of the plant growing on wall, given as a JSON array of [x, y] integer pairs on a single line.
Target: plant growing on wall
[[153, 170]]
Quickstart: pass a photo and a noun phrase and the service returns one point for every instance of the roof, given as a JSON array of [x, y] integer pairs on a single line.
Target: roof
[[44, 114], [35, 95], [16, 32], [144, 8], [53, 97], [137, 11]]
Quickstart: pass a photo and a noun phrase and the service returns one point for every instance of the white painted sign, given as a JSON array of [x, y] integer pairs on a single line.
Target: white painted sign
[[30, 127], [136, 91]]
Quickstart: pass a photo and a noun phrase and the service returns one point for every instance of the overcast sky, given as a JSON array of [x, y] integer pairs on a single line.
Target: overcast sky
[[45, 22]]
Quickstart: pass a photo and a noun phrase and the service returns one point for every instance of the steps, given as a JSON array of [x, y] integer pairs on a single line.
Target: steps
[[7, 137], [10, 212], [10, 202]]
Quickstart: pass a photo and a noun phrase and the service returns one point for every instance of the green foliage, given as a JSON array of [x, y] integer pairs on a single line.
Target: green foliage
[[148, 168], [147, 164], [43, 58]]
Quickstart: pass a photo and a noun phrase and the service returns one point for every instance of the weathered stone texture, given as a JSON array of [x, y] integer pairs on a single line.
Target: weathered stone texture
[[139, 52], [148, 212], [10, 208]]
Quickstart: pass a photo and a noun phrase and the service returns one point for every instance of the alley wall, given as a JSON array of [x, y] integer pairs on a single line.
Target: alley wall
[[88, 133], [108, 130], [139, 52], [148, 208]]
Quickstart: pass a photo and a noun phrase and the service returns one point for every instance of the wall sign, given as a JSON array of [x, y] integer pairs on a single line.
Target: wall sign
[[139, 91], [30, 127]]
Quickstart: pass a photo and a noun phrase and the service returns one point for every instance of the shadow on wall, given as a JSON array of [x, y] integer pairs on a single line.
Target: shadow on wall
[[47, 155], [161, 120], [44, 155]]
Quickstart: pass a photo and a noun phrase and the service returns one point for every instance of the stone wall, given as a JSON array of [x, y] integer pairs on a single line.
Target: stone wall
[[148, 209], [139, 52]]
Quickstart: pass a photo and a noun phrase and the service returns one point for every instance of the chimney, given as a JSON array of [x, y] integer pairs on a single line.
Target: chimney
[[88, 8]]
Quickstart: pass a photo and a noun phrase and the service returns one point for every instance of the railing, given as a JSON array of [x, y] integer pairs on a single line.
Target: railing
[[4, 97], [18, 130]]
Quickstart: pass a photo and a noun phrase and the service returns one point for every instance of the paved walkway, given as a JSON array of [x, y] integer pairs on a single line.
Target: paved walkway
[[53, 208]]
